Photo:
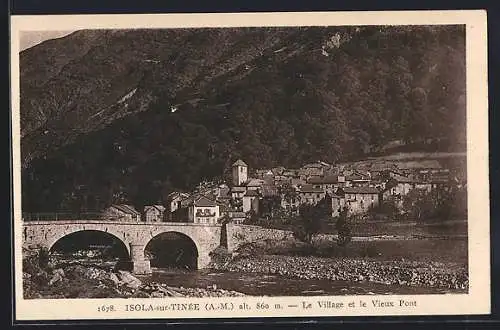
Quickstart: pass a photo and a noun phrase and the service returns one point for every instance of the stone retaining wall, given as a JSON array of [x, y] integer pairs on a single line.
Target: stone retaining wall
[[241, 234]]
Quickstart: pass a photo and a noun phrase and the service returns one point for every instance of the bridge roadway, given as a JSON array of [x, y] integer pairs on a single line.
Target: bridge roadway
[[134, 235]]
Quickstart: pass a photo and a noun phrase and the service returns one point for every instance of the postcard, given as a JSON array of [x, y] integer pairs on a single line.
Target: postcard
[[240, 165]]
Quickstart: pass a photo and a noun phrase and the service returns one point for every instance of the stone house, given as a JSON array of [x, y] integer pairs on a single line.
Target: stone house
[[309, 194], [328, 183], [359, 199], [174, 200], [338, 202], [377, 170], [203, 210], [238, 192], [154, 213], [358, 179], [224, 196], [331, 183], [251, 201], [121, 212], [398, 185]]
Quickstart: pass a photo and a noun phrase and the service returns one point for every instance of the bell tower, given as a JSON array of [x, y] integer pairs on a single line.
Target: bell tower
[[240, 172]]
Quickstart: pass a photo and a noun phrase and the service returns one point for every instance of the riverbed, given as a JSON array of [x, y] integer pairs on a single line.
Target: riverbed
[[259, 284]]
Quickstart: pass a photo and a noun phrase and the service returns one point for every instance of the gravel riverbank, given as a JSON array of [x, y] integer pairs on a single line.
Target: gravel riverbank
[[412, 273], [83, 281]]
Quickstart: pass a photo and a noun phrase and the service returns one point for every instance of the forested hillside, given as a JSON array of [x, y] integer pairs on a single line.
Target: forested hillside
[[132, 114]]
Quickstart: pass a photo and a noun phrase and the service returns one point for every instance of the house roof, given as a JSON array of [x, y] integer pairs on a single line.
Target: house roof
[[187, 201], [177, 194], [239, 162], [439, 180], [361, 190], [204, 202], [290, 172], [356, 177], [296, 181], [382, 167], [254, 183], [323, 179], [251, 193], [160, 208], [278, 170], [307, 188], [223, 201], [125, 208], [402, 179]]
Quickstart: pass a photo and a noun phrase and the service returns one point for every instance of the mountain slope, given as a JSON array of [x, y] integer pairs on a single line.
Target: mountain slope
[[132, 114]]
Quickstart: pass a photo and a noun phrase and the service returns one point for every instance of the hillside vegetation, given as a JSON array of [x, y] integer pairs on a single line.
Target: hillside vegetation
[[109, 116]]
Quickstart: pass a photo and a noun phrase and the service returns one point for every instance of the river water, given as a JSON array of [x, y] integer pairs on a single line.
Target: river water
[[256, 284]]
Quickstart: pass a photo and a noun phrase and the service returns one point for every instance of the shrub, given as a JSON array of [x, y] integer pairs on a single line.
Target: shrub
[[220, 255]]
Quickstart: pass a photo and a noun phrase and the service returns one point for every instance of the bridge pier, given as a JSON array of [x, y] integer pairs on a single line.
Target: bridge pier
[[203, 260], [141, 265]]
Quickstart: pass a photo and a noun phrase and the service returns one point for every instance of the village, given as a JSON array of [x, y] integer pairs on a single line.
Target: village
[[254, 194]]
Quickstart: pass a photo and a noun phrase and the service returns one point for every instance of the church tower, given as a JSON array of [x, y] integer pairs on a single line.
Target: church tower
[[240, 172]]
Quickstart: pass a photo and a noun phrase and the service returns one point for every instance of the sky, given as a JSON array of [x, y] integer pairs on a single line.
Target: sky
[[31, 38]]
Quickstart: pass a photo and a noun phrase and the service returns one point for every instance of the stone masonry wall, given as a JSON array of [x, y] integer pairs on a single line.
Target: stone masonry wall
[[241, 234]]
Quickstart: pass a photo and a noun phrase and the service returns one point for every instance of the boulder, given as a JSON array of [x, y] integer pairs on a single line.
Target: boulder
[[157, 294], [55, 278], [140, 294], [129, 280], [114, 278], [59, 271], [170, 292]]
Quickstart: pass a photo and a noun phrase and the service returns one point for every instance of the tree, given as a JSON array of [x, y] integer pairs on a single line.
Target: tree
[[311, 219], [269, 206], [343, 227], [439, 204], [389, 208]]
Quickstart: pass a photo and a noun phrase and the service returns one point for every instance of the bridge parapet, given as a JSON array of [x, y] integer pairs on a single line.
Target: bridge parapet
[[57, 216], [108, 222]]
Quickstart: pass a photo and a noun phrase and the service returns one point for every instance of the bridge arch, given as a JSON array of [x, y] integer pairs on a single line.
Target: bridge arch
[[77, 237], [173, 248], [53, 235]]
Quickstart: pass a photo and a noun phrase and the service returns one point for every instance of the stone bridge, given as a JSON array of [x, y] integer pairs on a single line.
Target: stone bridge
[[134, 235]]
